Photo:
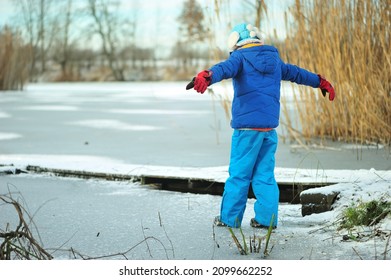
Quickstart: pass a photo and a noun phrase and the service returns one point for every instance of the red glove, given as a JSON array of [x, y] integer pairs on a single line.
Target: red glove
[[202, 81], [325, 86]]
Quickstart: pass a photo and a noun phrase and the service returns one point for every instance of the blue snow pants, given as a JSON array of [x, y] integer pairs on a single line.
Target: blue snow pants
[[252, 161]]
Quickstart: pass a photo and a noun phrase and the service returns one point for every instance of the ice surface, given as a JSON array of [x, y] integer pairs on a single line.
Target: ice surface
[[163, 130]]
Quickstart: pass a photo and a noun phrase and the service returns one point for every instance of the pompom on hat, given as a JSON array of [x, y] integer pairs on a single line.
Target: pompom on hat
[[243, 34]]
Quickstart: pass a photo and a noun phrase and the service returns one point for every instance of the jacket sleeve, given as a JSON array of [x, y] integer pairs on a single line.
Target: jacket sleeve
[[226, 69], [299, 75]]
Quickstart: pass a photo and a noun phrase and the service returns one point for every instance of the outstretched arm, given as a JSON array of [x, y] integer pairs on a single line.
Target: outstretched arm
[[218, 72], [301, 76]]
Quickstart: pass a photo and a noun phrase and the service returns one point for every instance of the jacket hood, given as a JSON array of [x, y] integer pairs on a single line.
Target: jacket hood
[[262, 58]]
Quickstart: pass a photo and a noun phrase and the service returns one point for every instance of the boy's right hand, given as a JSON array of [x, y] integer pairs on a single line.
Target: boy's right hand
[[202, 81]]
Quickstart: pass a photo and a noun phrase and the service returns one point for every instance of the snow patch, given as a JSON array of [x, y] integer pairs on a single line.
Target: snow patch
[[373, 146], [60, 161], [9, 136], [114, 125], [157, 112], [51, 108], [4, 115]]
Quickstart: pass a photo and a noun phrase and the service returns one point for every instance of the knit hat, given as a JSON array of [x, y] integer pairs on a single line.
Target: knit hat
[[243, 34]]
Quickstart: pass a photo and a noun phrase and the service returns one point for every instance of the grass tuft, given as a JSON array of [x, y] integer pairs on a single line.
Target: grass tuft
[[365, 214]]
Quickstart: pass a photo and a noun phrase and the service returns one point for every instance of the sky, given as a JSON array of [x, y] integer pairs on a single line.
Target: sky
[[158, 19]]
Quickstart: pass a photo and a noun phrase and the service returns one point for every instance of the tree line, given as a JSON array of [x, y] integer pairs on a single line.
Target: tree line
[[93, 40]]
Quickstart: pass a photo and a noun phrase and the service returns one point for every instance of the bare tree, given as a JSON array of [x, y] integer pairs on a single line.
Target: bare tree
[[191, 30], [260, 8], [191, 21], [62, 50], [108, 24], [38, 27]]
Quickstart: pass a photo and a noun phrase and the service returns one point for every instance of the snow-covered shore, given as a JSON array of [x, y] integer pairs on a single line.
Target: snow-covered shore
[[353, 186]]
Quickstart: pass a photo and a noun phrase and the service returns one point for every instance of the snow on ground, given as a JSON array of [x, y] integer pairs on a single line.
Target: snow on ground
[[218, 174], [188, 217]]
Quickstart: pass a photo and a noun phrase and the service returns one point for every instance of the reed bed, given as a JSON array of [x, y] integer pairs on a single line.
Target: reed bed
[[15, 59], [347, 41]]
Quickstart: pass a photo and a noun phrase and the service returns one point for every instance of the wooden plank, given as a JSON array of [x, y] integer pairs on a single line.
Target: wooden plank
[[289, 191]]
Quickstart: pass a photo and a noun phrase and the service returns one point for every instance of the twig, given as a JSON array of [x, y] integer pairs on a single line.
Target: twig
[[380, 176], [380, 217], [253, 244], [321, 228], [240, 248], [310, 256], [385, 248], [63, 244], [375, 247], [215, 242], [168, 238], [160, 219], [357, 253], [123, 254], [149, 250], [20, 243], [259, 244], [293, 132]]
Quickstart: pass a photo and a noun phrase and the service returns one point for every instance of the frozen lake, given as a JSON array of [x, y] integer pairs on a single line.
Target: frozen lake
[[147, 123]]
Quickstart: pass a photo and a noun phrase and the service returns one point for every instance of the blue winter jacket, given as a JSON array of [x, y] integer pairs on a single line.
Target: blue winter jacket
[[257, 72]]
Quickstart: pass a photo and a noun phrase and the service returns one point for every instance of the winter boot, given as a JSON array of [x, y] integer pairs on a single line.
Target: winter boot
[[255, 224], [219, 223]]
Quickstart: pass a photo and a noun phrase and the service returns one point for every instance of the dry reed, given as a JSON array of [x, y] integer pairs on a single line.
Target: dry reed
[[348, 42], [14, 61]]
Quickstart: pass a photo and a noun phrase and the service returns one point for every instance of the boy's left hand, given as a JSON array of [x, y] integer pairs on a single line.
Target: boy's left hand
[[325, 86]]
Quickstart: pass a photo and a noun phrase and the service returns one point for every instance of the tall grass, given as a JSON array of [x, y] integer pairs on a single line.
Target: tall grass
[[14, 60], [347, 41]]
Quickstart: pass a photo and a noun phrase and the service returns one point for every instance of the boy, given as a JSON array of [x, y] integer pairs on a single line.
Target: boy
[[256, 70]]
